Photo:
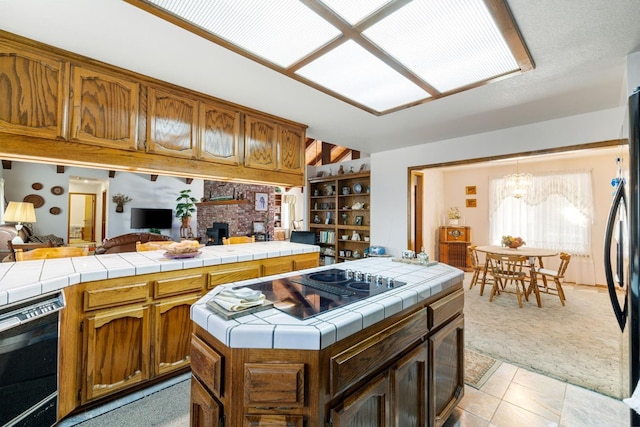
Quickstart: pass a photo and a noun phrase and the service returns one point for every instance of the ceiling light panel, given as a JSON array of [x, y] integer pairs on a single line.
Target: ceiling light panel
[[354, 11], [447, 43], [280, 31], [353, 72]]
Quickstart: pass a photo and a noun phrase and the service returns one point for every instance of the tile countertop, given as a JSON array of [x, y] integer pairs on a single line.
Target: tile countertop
[[26, 279], [274, 329]]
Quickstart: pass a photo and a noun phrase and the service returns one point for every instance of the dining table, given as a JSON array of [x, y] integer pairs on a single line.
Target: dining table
[[535, 256]]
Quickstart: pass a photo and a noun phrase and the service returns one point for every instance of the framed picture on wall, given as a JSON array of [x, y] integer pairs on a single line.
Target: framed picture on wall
[[262, 201], [472, 203], [470, 189]]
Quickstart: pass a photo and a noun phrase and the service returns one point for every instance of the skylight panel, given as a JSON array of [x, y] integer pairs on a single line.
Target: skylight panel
[[354, 11], [279, 31], [447, 43], [355, 73]]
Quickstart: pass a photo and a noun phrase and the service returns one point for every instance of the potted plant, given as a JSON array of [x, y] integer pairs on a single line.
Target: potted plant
[[120, 200], [454, 215], [185, 207]]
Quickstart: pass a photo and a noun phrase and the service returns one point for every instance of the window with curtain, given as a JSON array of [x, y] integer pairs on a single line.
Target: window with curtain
[[555, 213]]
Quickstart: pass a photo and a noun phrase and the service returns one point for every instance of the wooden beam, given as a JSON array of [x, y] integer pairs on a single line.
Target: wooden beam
[[6, 164], [326, 153], [60, 169], [355, 154], [189, 180], [112, 174], [154, 178]]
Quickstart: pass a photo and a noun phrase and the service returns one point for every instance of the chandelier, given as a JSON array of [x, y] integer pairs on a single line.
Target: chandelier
[[518, 183]]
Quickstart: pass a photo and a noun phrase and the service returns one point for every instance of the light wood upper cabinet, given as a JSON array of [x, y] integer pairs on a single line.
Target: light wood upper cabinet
[[172, 124], [260, 142], [219, 134], [290, 149], [32, 88], [105, 109]]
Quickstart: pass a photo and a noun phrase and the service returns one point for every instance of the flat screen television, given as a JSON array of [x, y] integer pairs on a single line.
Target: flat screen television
[[151, 218]]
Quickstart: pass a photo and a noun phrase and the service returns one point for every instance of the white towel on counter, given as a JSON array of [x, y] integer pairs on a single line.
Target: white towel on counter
[[238, 299]]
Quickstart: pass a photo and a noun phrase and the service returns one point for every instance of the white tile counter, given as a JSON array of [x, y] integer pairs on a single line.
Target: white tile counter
[[26, 279], [273, 329]]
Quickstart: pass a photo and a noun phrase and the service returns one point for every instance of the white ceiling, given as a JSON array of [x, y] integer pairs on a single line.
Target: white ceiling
[[579, 48]]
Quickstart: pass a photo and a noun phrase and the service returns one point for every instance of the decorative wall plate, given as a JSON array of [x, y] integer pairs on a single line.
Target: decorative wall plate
[[55, 210], [57, 190], [357, 188], [35, 199], [36, 186]]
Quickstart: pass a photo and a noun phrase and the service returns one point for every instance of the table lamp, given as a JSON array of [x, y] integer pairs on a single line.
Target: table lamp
[[19, 212]]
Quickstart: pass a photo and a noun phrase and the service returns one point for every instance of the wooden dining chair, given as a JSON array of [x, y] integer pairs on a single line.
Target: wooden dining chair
[[238, 239], [475, 265], [556, 276], [47, 253], [13, 247], [507, 270], [153, 245]]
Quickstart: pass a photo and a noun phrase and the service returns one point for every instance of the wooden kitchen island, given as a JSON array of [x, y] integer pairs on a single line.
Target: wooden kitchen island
[[393, 359]]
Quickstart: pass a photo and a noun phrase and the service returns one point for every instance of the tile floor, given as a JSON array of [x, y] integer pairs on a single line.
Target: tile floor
[[513, 396]]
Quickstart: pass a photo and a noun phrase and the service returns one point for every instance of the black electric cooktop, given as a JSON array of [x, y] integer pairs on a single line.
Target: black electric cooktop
[[307, 295]]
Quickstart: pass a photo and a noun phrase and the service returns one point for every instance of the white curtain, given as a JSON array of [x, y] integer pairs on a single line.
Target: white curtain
[[555, 213], [290, 200], [2, 201]]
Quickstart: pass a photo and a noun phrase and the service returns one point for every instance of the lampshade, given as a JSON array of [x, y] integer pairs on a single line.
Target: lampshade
[[20, 212]]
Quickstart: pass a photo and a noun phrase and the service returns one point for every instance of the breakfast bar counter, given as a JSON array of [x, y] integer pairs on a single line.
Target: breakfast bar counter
[[372, 360]]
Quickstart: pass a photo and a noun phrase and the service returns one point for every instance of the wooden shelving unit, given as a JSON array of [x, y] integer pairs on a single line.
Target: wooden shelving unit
[[339, 207]]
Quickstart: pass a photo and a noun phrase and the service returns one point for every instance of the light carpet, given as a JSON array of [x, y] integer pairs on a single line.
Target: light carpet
[[579, 343]]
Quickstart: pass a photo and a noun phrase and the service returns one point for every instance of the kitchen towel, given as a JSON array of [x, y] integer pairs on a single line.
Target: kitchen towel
[[238, 299]]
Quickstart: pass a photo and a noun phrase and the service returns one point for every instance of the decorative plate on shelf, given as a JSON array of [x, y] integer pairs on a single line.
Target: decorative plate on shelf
[[57, 190], [55, 211], [357, 188], [35, 199], [182, 255], [36, 186]]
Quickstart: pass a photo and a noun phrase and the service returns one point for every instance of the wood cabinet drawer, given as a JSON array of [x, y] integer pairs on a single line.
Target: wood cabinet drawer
[[445, 308], [206, 364], [274, 385], [277, 266], [301, 264], [113, 297], [228, 275], [261, 420], [364, 358], [178, 285]]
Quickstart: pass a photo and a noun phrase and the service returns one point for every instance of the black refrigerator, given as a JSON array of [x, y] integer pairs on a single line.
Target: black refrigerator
[[622, 249]]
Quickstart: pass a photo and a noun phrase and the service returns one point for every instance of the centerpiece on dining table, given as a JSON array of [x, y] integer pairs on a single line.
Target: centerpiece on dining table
[[512, 242]]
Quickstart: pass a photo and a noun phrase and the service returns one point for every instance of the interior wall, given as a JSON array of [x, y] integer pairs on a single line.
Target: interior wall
[[389, 198]]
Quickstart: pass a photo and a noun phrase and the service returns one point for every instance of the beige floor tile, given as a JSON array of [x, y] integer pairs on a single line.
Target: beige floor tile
[[462, 418], [508, 415], [586, 408], [498, 383], [479, 403], [539, 382], [547, 404]]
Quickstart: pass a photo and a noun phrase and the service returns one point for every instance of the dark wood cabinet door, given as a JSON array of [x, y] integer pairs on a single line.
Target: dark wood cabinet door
[[172, 124], [260, 420], [409, 388], [172, 321], [446, 374], [367, 407], [205, 409], [260, 142], [32, 88], [117, 350], [219, 134], [105, 109]]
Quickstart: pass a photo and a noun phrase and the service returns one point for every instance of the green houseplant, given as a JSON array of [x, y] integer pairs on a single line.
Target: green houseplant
[[186, 205]]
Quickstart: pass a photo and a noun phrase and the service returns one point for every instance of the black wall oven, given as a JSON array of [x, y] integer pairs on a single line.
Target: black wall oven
[[29, 333]]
